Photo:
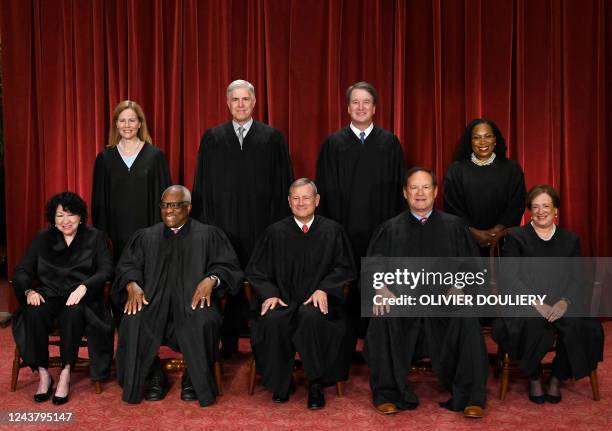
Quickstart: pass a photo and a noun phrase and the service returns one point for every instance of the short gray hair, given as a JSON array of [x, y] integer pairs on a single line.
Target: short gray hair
[[178, 188], [240, 83], [303, 182]]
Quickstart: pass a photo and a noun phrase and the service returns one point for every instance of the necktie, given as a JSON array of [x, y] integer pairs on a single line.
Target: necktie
[[362, 137], [305, 228], [240, 135], [175, 230], [423, 220]]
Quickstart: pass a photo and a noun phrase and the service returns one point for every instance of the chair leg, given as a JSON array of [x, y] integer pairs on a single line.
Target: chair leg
[[340, 389], [15, 372], [252, 375], [505, 375], [594, 385], [218, 377], [98, 388]]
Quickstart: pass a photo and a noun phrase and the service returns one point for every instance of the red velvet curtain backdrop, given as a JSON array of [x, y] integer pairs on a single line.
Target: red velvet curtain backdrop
[[537, 67]]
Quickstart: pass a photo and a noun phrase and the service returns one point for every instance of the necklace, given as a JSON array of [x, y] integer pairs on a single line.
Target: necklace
[[545, 236], [128, 152], [479, 162]]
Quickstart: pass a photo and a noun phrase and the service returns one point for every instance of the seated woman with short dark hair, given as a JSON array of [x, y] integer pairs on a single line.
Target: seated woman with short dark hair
[[577, 341], [71, 262]]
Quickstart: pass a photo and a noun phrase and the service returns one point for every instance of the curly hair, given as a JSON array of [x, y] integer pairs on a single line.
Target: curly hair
[[71, 202], [464, 150]]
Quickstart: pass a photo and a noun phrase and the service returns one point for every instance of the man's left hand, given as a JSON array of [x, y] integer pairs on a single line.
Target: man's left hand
[[319, 300], [76, 295], [202, 293]]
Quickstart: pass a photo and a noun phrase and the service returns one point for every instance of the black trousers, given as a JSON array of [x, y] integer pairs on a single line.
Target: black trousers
[[42, 320], [323, 342]]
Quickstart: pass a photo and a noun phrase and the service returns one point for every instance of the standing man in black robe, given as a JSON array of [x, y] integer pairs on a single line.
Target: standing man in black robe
[[359, 174], [169, 281], [455, 345], [240, 185], [299, 270]]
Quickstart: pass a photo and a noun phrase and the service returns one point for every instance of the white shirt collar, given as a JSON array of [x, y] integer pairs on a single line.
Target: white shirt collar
[[247, 126], [300, 224], [419, 218], [175, 230], [367, 131]]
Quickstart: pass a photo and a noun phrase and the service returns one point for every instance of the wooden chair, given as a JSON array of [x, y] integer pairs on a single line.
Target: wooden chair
[[250, 295], [505, 365], [82, 364]]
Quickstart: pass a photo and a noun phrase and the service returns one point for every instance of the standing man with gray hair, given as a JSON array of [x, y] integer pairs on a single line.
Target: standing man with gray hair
[[241, 183]]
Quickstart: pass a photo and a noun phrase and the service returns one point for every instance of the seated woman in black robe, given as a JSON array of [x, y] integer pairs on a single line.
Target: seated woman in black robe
[[578, 341], [71, 263], [482, 186]]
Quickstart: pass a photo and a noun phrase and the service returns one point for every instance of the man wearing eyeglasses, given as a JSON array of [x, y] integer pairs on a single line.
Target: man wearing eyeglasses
[[169, 280], [299, 270]]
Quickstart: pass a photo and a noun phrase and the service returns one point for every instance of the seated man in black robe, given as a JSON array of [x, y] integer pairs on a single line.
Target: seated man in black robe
[[298, 270], [454, 345], [169, 281]]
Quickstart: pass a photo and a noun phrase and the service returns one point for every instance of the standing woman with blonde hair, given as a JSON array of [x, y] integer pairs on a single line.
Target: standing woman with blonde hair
[[130, 175]]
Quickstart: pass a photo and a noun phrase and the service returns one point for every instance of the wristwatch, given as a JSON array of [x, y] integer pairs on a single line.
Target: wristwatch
[[216, 279]]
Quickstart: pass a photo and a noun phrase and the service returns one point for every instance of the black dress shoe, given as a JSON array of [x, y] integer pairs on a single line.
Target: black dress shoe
[[58, 401], [41, 398], [188, 393], [553, 399], [279, 399], [156, 387], [316, 398]]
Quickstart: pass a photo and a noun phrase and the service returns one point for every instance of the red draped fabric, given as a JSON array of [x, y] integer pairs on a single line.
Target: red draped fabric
[[539, 68]]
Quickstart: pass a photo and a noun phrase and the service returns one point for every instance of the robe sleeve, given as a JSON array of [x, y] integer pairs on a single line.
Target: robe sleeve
[[260, 265], [328, 183], [161, 181], [398, 178], [343, 270], [454, 198], [104, 267], [224, 263], [25, 273], [198, 210], [574, 288], [98, 195], [516, 198], [129, 268], [284, 178]]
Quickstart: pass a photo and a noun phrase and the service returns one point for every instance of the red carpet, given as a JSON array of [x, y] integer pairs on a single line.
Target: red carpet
[[237, 410]]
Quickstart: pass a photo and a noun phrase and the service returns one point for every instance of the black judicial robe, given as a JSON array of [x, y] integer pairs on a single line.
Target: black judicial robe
[[168, 268], [242, 191], [455, 345], [485, 196], [291, 265], [360, 184], [580, 344], [125, 200], [60, 269]]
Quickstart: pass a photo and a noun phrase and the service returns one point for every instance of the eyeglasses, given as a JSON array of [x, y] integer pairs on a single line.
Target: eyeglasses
[[172, 205]]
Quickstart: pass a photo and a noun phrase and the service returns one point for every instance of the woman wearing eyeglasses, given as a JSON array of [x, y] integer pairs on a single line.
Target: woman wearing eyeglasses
[[130, 175], [577, 341], [482, 186], [70, 263]]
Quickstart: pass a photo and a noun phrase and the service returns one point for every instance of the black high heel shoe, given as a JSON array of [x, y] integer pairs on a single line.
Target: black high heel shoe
[[58, 401], [538, 399], [41, 398]]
